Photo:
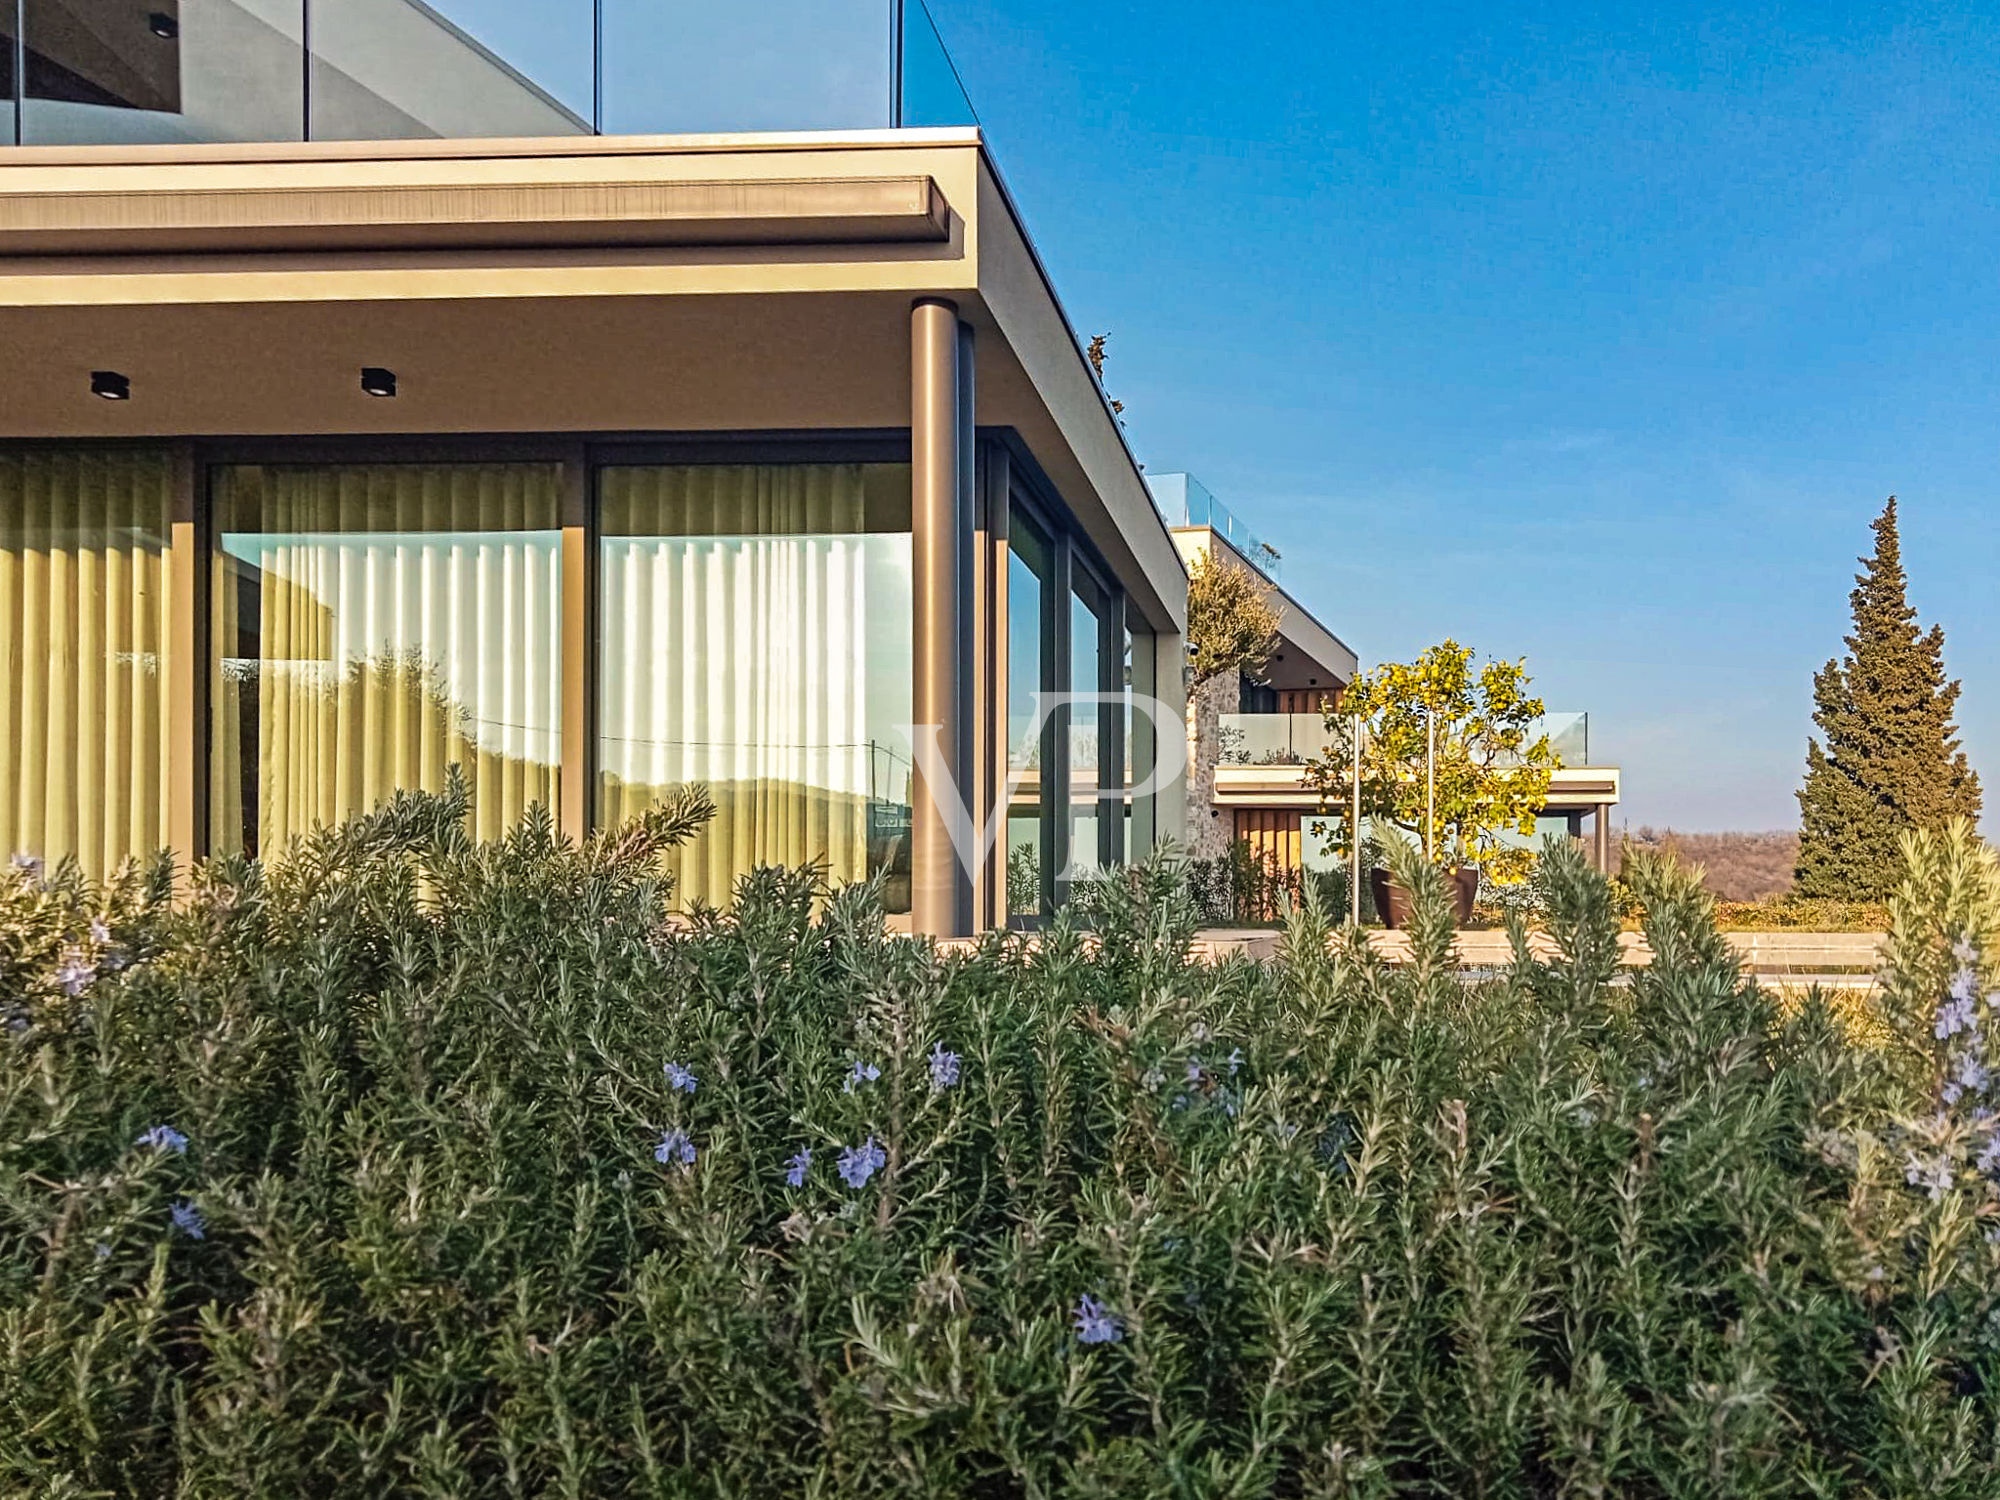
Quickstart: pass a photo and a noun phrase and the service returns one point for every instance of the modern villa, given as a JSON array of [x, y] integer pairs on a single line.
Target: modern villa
[[385, 394], [1249, 739]]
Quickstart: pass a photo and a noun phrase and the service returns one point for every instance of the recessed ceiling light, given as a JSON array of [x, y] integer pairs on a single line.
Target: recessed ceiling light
[[110, 385], [377, 381], [163, 25]]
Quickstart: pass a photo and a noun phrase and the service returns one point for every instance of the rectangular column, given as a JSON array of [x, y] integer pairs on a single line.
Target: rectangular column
[[941, 545]]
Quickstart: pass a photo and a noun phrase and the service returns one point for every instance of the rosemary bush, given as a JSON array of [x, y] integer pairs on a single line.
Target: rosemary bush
[[404, 1166]]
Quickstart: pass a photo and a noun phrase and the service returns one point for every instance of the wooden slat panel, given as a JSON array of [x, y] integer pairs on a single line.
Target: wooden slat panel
[[496, 214]]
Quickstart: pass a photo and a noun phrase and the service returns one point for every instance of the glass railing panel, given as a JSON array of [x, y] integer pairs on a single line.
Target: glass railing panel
[[399, 70], [1183, 500], [933, 94], [779, 65], [1569, 736], [113, 72], [1270, 739]]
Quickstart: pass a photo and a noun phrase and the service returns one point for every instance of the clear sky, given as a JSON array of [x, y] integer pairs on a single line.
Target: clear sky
[[1591, 334]]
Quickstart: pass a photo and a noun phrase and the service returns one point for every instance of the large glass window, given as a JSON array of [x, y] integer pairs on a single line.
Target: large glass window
[[85, 625], [1029, 563], [755, 636], [376, 624]]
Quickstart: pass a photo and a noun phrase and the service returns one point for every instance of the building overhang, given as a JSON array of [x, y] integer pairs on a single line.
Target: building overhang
[[595, 285]]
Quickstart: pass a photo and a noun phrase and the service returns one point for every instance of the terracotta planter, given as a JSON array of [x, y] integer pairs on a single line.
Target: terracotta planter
[[1392, 902]]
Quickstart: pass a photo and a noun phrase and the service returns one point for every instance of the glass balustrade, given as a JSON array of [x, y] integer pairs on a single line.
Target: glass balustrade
[[107, 72], [1270, 739], [1183, 500], [1294, 739]]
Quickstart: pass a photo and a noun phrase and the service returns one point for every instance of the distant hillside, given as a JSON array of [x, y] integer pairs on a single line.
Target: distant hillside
[[1741, 866]]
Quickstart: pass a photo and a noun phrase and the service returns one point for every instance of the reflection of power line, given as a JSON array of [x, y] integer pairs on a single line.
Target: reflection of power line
[[874, 746]]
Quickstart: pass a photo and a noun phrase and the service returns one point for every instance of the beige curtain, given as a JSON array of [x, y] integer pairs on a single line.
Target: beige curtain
[[739, 603], [85, 615], [405, 618]]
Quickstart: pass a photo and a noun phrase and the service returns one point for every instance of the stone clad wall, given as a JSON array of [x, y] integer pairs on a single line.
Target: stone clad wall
[[1208, 837]]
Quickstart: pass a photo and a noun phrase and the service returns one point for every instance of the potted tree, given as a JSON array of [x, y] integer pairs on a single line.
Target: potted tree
[[1451, 755]]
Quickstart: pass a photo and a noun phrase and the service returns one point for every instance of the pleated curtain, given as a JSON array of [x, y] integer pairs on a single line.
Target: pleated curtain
[[407, 618], [737, 601], [85, 612]]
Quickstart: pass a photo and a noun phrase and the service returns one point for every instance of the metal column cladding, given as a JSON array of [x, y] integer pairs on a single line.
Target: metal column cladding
[[941, 545]]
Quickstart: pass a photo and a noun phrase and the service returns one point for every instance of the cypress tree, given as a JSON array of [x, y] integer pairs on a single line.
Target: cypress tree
[[1891, 759]]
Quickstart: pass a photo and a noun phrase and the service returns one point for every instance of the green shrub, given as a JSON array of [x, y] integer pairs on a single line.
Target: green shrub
[[1124, 1223]]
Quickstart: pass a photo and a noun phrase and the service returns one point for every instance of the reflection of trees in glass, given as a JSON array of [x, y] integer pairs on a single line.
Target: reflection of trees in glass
[[319, 744], [1024, 879]]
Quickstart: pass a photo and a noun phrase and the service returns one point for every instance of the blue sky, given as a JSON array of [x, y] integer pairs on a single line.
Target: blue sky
[[1592, 335]]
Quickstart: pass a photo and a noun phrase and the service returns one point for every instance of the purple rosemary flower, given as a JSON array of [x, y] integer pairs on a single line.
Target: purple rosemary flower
[[75, 974], [859, 1163], [28, 866], [1094, 1325], [1989, 1159], [1964, 985], [680, 1078], [1235, 1060], [944, 1068], [798, 1165], [674, 1147], [100, 932], [1953, 1017], [163, 1138], [1935, 1176], [101, 1250], [1965, 952], [1973, 1073], [1194, 1070], [862, 1072], [188, 1220]]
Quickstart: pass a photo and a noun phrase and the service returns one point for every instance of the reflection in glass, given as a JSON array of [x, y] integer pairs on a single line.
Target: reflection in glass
[[106, 72], [755, 629], [1085, 718], [775, 65], [933, 94], [376, 624], [85, 629], [1028, 566], [459, 69]]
